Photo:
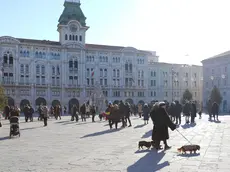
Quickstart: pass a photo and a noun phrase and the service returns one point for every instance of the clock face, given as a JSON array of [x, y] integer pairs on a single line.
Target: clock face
[[73, 28]]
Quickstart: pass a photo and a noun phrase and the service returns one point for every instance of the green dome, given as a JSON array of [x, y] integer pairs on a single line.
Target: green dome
[[72, 11]]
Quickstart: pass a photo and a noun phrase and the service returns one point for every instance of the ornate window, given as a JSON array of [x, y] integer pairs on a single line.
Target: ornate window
[[76, 38], [27, 69], [70, 37], [53, 70], [80, 38], [43, 70], [58, 70], [38, 69], [11, 59], [5, 59], [66, 37], [22, 68]]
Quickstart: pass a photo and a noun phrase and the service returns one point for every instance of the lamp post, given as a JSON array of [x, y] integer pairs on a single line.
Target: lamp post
[[173, 73]]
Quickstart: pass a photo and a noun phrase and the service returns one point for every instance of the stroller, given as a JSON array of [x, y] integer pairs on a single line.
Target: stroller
[[14, 126]]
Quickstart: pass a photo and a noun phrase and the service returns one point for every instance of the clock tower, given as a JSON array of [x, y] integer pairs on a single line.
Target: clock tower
[[72, 26]]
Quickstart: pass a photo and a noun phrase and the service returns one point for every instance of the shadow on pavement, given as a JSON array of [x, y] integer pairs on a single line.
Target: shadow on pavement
[[139, 126], [217, 121], [189, 155], [60, 122], [100, 133], [4, 138], [31, 128], [149, 163], [147, 134], [185, 126]]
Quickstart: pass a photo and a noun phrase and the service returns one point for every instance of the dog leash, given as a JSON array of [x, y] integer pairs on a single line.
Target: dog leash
[[183, 136]]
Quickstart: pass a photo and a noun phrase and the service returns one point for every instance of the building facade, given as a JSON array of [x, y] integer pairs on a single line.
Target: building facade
[[68, 71], [215, 71], [169, 81]]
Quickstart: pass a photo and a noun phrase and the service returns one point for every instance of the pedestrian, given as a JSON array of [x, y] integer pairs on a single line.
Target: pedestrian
[[215, 110], [161, 123], [83, 112], [187, 112], [139, 110], [93, 112], [172, 111], [127, 114], [146, 113], [26, 111], [178, 110], [45, 114], [193, 112]]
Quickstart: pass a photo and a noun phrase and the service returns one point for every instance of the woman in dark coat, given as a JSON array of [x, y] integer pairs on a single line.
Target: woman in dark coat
[[187, 112], [161, 123], [146, 113]]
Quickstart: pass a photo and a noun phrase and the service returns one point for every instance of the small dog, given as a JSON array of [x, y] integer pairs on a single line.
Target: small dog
[[189, 148], [146, 144]]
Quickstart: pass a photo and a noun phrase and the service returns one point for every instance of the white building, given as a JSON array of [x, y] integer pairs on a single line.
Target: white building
[[169, 81], [66, 72], [216, 70]]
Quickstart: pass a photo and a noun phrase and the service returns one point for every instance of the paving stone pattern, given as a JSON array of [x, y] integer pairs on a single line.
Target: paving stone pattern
[[91, 147]]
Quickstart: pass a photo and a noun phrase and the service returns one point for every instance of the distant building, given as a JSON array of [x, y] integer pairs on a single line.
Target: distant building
[[169, 81], [215, 73]]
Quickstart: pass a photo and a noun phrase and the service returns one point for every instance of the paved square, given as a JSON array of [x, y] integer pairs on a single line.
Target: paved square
[[92, 147]]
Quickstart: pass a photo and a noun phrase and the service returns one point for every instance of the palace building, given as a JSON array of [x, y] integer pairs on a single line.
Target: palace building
[[67, 71]]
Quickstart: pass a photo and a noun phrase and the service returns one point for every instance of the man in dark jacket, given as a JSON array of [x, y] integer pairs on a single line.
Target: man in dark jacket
[[193, 112], [215, 110], [83, 112], [122, 113], [127, 113], [7, 112], [178, 111], [26, 112], [187, 111], [161, 123]]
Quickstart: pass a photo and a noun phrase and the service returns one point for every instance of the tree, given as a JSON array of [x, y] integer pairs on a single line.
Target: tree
[[216, 96], [187, 96], [3, 98]]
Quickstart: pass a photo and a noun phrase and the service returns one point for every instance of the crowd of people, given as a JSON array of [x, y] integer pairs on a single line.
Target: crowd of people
[[162, 114]]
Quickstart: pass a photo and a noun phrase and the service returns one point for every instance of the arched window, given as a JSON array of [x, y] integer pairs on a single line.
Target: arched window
[[76, 38], [43, 54], [66, 37], [73, 37], [70, 64], [5, 59], [22, 68], [76, 64], [27, 69], [114, 73], [118, 73], [43, 70], [80, 38], [24, 54], [38, 69], [70, 37], [27, 54], [11, 59], [36, 54], [53, 70], [58, 70], [40, 54]]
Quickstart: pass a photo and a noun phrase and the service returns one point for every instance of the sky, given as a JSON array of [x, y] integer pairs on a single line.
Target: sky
[[180, 31]]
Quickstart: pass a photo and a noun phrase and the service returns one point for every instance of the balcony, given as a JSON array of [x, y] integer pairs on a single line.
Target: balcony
[[8, 83]]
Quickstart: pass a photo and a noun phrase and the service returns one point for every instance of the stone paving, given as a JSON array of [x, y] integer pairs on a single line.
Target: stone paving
[[91, 147]]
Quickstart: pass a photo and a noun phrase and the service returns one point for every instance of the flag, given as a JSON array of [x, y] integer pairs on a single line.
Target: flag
[[92, 74], [132, 80]]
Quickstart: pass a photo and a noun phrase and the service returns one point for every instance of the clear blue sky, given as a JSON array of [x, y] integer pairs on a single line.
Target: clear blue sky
[[173, 28]]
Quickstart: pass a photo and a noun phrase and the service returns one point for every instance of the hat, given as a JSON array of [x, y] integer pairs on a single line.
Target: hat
[[162, 104]]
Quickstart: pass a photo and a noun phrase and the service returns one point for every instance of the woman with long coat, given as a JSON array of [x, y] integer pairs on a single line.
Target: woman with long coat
[[161, 123], [146, 113]]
